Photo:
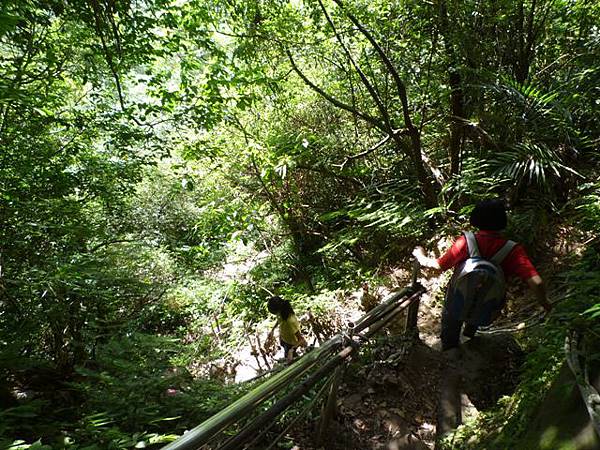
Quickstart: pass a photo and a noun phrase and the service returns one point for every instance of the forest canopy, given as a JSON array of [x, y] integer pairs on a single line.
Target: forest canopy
[[167, 165]]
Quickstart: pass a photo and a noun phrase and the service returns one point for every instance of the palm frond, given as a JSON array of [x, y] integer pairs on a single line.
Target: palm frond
[[543, 115], [531, 163]]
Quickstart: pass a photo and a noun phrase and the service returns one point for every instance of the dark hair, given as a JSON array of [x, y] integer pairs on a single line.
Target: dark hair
[[489, 215], [277, 305]]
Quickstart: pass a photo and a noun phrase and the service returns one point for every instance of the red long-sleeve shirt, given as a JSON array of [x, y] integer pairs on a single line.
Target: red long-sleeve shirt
[[517, 263]]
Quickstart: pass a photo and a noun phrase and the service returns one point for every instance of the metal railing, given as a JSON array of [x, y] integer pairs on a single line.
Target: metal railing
[[304, 375], [578, 364]]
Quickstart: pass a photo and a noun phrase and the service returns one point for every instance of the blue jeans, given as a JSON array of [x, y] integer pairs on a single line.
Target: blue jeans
[[451, 330]]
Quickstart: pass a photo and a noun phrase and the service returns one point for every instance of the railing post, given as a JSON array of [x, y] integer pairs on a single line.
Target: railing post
[[411, 327], [412, 315], [329, 410]]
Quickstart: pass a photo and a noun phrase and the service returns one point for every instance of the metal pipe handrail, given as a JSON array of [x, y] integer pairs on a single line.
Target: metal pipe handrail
[[201, 434], [589, 394], [380, 310], [281, 405], [204, 432]]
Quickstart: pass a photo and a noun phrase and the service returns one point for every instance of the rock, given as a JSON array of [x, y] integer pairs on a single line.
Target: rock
[[489, 366], [407, 442], [352, 401], [395, 424]]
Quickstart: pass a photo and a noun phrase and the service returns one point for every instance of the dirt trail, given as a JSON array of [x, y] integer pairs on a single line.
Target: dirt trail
[[390, 398]]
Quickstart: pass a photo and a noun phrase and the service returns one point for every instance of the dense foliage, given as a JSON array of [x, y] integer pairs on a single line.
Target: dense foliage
[[147, 146]]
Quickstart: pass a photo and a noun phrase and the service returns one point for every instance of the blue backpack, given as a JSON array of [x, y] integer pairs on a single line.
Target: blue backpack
[[477, 289]]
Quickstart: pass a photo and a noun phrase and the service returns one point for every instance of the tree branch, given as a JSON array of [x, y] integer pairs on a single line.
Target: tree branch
[[370, 119], [331, 173], [107, 54], [363, 77], [368, 151], [388, 64]]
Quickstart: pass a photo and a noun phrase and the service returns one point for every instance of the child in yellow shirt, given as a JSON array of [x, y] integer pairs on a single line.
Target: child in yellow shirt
[[290, 336]]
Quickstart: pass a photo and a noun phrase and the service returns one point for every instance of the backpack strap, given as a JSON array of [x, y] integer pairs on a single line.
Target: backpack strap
[[503, 252], [472, 247]]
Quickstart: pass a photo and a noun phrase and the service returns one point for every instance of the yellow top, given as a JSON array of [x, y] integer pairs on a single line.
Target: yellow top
[[288, 329]]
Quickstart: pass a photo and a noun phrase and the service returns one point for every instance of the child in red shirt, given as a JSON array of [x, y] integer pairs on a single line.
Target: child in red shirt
[[490, 217]]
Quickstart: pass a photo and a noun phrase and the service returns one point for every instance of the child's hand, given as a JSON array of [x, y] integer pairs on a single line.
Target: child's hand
[[302, 342]]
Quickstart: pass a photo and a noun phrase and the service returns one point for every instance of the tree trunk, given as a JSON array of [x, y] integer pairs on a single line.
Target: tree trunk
[[306, 251], [526, 37], [386, 124], [425, 181], [456, 95], [456, 126]]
